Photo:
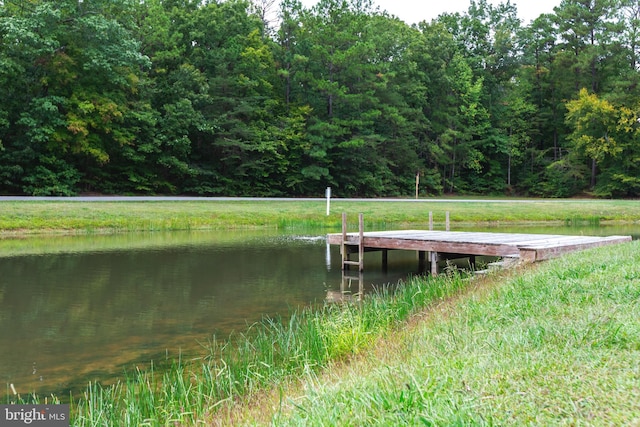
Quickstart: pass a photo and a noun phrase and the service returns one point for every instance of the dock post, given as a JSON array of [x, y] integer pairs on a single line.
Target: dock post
[[361, 242], [385, 260], [343, 247], [434, 263], [447, 222]]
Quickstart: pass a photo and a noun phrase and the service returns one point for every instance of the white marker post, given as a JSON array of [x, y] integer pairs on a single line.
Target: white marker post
[[328, 194]]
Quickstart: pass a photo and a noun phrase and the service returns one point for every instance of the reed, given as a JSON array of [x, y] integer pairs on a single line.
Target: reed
[[579, 220], [14, 397], [270, 352], [554, 345]]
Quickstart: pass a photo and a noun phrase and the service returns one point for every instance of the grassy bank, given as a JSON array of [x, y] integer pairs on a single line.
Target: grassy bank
[[552, 344], [268, 354], [92, 217], [558, 344]]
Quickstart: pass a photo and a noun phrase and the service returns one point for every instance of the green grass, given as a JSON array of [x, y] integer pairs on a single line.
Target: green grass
[[97, 217], [556, 345], [269, 353]]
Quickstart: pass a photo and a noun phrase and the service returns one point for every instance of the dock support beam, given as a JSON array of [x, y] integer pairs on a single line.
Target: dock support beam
[[447, 221], [434, 263], [343, 246], [422, 256], [385, 260]]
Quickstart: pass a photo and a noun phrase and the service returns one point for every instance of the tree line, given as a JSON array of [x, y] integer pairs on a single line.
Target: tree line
[[255, 98]]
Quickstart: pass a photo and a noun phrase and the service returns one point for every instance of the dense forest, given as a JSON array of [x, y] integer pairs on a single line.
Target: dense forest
[[260, 98]]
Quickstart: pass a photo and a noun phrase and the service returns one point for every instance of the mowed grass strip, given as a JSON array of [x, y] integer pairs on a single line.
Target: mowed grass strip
[[108, 216], [558, 344]]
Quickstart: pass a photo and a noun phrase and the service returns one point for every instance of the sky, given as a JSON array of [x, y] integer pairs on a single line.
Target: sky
[[414, 11]]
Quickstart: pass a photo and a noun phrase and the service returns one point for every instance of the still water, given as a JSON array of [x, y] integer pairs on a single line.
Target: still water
[[76, 309], [84, 308]]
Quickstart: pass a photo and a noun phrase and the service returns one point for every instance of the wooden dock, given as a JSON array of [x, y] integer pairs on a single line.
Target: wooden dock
[[528, 248]]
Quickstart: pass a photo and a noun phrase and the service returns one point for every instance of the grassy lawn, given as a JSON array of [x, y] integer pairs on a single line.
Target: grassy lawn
[[83, 217]]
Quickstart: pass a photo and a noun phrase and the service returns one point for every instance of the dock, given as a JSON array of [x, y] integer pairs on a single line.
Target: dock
[[435, 245]]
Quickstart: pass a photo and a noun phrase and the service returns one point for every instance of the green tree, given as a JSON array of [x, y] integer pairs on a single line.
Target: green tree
[[235, 149], [517, 118], [589, 31], [540, 49], [624, 82], [620, 174], [457, 116], [595, 124], [74, 75], [486, 37], [344, 61]]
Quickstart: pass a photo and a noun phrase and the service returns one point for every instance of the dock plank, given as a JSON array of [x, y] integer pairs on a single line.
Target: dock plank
[[529, 247]]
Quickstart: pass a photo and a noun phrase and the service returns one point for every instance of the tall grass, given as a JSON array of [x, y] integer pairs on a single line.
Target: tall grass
[[555, 345], [579, 220], [266, 354], [558, 344]]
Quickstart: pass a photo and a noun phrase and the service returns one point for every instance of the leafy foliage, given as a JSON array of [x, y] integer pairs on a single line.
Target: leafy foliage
[[216, 98]]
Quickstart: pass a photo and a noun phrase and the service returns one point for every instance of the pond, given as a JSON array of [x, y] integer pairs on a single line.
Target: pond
[[75, 309]]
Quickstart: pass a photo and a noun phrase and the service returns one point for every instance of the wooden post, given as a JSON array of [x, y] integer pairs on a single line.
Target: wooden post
[[417, 183], [447, 222], [421, 261], [434, 263], [343, 247], [361, 241], [346, 261], [385, 260], [430, 221]]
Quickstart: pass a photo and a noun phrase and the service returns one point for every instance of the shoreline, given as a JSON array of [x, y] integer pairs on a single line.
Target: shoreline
[[303, 348]]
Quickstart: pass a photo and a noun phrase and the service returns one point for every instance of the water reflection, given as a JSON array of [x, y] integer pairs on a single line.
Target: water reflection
[[351, 288], [75, 309], [71, 317]]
